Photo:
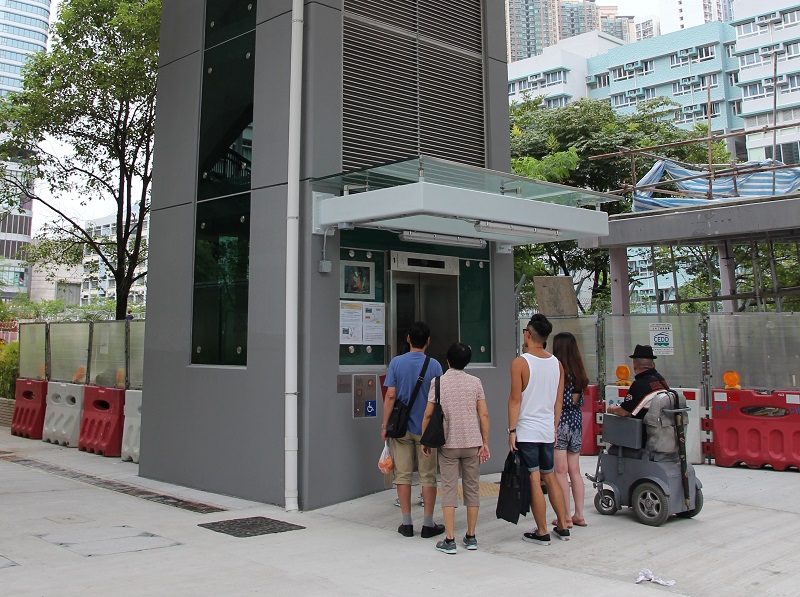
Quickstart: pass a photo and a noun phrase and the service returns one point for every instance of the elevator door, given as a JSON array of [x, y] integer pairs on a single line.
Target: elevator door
[[432, 298]]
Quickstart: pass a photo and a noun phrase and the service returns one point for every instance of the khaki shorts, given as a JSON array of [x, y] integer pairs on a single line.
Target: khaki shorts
[[404, 450], [450, 460]]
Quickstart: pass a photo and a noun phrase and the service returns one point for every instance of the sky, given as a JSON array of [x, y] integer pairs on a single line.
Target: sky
[[633, 8]]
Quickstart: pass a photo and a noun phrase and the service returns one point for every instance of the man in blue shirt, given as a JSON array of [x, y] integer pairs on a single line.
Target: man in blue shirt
[[404, 370]]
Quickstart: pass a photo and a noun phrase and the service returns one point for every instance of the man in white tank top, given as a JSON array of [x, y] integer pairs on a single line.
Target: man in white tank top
[[534, 409]]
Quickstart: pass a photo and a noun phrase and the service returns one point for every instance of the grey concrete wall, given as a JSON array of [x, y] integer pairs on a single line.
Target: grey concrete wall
[[216, 428], [222, 428]]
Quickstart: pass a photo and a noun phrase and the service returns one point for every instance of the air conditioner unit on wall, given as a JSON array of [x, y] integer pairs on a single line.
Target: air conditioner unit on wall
[[591, 80]]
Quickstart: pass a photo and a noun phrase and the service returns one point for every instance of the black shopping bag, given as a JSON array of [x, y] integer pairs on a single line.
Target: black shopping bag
[[514, 496]]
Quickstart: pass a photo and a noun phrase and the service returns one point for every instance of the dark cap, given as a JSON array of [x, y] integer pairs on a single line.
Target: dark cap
[[643, 351]]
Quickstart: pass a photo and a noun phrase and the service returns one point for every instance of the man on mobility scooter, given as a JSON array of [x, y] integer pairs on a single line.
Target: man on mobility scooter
[[645, 465]]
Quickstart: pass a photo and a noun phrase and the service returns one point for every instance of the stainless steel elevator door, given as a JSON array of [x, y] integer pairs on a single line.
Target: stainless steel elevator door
[[425, 297]]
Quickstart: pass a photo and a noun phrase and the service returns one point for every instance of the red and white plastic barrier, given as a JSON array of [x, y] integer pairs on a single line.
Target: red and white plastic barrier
[[756, 429]]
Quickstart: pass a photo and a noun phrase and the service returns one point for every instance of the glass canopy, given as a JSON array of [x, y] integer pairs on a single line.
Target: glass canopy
[[452, 174]]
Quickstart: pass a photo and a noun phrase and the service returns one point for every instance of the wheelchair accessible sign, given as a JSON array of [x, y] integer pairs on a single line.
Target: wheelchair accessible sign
[[661, 339]]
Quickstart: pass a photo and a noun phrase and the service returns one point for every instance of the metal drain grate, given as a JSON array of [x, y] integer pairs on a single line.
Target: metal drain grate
[[117, 486], [250, 527]]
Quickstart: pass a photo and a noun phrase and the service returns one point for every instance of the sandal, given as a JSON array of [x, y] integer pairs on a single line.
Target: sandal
[[569, 523], [579, 522]]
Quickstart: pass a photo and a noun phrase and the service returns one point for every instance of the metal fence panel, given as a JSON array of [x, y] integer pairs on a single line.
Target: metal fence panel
[[69, 351], [682, 369], [108, 354], [136, 351], [32, 350], [763, 348]]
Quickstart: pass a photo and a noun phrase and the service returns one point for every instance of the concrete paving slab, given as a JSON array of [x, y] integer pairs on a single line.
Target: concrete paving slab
[[745, 542]]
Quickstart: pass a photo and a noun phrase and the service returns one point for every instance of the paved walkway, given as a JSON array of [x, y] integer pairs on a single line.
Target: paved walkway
[[73, 523]]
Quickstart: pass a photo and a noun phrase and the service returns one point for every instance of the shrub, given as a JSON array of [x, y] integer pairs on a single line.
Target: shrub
[[9, 369]]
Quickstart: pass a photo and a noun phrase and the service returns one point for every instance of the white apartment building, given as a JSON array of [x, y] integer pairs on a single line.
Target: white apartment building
[[97, 282], [768, 43], [559, 73], [683, 14], [647, 26]]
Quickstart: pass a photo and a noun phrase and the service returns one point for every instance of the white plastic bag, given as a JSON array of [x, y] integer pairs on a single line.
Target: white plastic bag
[[386, 462]]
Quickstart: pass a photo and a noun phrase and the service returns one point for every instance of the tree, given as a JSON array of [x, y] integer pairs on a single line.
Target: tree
[[92, 94], [589, 128]]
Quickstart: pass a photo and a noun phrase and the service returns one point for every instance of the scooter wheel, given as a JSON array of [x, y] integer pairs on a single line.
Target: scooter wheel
[[650, 504], [698, 505], [605, 503]]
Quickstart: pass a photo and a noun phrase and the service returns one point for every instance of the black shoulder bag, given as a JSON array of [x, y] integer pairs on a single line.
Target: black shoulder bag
[[397, 425], [433, 434]]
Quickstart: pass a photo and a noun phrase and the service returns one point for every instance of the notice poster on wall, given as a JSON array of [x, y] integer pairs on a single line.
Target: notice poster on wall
[[374, 323], [362, 323], [661, 339], [351, 315]]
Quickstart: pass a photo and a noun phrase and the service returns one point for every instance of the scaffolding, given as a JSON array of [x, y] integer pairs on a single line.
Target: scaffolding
[[765, 251]]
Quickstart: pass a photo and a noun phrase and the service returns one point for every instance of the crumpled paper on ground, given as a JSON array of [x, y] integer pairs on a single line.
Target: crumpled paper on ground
[[646, 574]]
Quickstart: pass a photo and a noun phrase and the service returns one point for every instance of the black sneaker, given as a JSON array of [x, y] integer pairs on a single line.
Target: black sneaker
[[470, 542], [447, 546], [562, 534], [543, 540], [428, 532], [406, 530]]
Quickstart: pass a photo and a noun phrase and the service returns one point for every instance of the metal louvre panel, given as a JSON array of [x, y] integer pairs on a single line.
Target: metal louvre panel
[[421, 93], [399, 13], [455, 22], [451, 106], [379, 112]]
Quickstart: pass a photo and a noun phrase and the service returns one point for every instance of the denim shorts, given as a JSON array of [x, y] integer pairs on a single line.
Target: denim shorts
[[537, 456]]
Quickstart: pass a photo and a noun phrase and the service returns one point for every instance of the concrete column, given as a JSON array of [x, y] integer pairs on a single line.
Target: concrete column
[[727, 276], [620, 295]]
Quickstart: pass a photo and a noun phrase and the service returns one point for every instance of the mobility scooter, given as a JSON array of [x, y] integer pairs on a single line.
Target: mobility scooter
[[645, 467]]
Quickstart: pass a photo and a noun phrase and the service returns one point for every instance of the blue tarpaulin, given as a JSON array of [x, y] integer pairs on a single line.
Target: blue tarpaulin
[[752, 184]]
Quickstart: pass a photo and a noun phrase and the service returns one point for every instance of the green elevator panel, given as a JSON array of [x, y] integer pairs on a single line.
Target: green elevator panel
[[474, 297], [371, 263]]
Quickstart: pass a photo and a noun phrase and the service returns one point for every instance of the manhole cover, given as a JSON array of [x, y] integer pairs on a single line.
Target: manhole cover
[[251, 527]]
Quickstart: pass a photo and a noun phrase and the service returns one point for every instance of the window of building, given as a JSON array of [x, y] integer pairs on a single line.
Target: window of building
[[749, 60], [730, 50], [648, 67], [789, 19], [603, 80], [753, 90], [554, 78], [650, 93], [222, 220], [746, 29], [788, 153], [704, 81], [794, 82], [733, 78], [556, 102], [736, 107], [620, 74], [705, 53], [680, 89], [792, 50]]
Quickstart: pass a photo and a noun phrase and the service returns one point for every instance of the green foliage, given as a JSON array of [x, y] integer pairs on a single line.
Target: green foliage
[[93, 94], [9, 369], [553, 167], [544, 145]]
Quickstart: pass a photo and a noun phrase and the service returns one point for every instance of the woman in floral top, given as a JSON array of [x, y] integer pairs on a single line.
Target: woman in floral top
[[570, 427], [466, 429]]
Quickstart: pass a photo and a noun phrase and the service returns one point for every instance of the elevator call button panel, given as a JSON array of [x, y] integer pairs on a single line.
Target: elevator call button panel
[[365, 396]]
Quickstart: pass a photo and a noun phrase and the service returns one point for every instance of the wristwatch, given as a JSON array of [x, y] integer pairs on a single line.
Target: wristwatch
[[510, 431]]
